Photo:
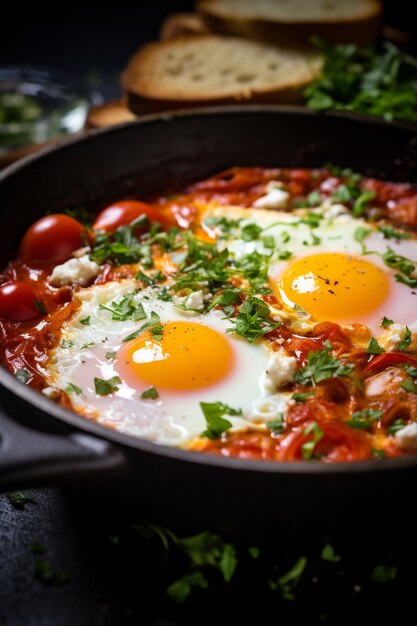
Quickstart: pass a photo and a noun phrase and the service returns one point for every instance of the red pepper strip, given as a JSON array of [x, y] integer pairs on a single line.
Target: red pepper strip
[[388, 359]]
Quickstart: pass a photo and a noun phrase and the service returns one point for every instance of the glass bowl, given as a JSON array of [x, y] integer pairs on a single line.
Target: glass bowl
[[35, 109]]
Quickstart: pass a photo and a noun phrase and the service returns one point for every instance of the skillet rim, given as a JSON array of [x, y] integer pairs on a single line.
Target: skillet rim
[[33, 398]]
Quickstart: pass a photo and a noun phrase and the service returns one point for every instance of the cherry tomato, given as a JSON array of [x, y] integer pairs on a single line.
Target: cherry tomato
[[388, 359], [126, 211], [52, 238], [17, 302]]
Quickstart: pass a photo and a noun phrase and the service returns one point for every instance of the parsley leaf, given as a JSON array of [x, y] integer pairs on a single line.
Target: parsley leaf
[[40, 305], [373, 347], [307, 448], [276, 426], [409, 386], [321, 365], [213, 413], [126, 309], [383, 574], [299, 398], [403, 345], [105, 387], [287, 583], [252, 320], [386, 322], [71, 388], [362, 420], [19, 499], [181, 588], [391, 233], [328, 554], [150, 394], [85, 321], [23, 375]]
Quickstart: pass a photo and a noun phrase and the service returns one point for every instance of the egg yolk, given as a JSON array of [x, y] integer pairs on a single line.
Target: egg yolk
[[188, 356], [333, 286]]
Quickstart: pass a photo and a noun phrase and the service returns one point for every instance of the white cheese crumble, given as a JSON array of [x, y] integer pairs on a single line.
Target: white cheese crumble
[[280, 370], [407, 437], [78, 271], [195, 300], [394, 335], [275, 198]]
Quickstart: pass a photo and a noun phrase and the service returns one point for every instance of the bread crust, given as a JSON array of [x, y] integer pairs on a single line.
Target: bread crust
[[363, 31], [143, 93], [109, 114]]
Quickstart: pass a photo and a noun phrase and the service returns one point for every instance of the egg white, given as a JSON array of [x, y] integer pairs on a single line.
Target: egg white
[[173, 418]]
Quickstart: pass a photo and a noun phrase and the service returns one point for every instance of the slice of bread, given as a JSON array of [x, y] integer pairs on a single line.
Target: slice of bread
[[293, 22], [209, 69], [109, 114], [179, 24]]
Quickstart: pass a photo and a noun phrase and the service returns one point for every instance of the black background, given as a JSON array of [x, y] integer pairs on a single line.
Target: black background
[[125, 583]]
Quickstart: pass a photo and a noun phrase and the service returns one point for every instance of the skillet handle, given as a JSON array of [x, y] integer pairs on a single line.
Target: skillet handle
[[31, 457]]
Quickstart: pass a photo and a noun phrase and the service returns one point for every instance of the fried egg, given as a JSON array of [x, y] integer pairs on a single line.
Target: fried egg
[[192, 360], [323, 265]]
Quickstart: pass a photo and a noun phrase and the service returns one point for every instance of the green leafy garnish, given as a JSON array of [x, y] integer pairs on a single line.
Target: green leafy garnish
[[126, 309], [71, 388], [373, 347], [181, 588], [85, 321], [216, 424], [302, 397], [362, 420], [405, 342], [48, 575], [321, 365], [23, 375], [396, 426], [409, 386], [328, 554], [386, 322], [67, 343], [308, 448], [109, 356], [252, 320], [105, 387], [18, 499], [150, 394], [276, 426], [362, 202], [365, 80], [287, 583], [40, 305], [390, 232], [383, 573]]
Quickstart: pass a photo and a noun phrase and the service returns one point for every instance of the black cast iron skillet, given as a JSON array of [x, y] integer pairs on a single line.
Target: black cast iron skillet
[[42, 443]]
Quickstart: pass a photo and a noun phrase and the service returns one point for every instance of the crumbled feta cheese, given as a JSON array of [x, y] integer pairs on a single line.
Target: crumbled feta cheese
[[75, 271], [195, 300], [394, 335], [51, 392], [81, 252], [268, 409], [337, 210], [275, 198], [279, 371], [407, 437]]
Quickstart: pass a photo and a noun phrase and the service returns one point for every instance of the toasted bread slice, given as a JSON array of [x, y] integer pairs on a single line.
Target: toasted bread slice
[[109, 114], [179, 24], [209, 69], [293, 22]]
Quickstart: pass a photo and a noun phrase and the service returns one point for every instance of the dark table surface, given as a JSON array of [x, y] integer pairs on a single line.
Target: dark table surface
[[102, 570]]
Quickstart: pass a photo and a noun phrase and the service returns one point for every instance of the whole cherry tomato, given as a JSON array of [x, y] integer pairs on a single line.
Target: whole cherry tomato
[[52, 238], [17, 302], [127, 211]]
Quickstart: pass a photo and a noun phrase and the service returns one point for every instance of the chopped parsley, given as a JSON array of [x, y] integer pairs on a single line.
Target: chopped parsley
[[48, 575], [106, 387], [320, 366], [23, 375], [85, 321], [396, 426], [252, 320], [308, 448], [404, 343], [181, 588], [277, 425], [216, 424], [409, 386], [328, 554], [363, 420], [373, 347], [287, 583], [66, 343], [71, 388], [150, 394], [109, 356], [362, 202], [299, 398], [391, 233], [126, 309], [19, 499], [153, 326], [383, 574], [386, 322], [40, 305]]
